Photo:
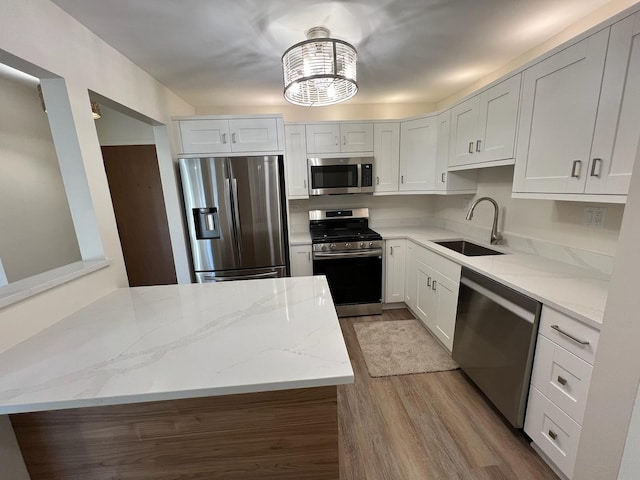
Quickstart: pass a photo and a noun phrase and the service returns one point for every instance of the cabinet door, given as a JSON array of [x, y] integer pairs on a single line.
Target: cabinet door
[[464, 132], [296, 161], [411, 280], [386, 150], [356, 137], [442, 149], [425, 298], [323, 138], [301, 265], [557, 118], [205, 136], [498, 117], [446, 292], [418, 141], [254, 135], [395, 274], [615, 143]]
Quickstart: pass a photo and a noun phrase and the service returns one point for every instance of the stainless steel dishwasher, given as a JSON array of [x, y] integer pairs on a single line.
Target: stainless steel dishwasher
[[494, 341]]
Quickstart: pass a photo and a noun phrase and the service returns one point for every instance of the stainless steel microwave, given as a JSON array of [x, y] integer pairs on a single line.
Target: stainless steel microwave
[[330, 176]]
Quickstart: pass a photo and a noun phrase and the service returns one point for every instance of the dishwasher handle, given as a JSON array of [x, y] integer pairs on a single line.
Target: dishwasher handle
[[517, 310]]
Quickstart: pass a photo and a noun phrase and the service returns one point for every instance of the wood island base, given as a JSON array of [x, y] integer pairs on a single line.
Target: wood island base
[[287, 434]]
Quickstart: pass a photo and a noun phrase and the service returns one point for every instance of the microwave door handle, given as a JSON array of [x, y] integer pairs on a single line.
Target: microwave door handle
[[359, 185]]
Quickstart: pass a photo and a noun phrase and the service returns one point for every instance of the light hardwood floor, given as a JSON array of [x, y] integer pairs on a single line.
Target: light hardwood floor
[[425, 426]]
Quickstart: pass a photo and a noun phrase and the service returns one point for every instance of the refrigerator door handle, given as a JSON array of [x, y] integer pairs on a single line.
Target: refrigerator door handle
[[236, 216]]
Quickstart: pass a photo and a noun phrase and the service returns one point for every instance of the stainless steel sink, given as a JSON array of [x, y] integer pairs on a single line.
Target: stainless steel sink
[[468, 249]]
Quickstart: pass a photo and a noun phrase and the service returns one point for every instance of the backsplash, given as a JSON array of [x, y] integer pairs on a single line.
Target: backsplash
[[384, 211]]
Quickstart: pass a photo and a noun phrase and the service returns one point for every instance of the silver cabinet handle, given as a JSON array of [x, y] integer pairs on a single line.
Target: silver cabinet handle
[[391, 250], [576, 163], [433, 285], [478, 143], [553, 434], [442, 177], [562, 380], [596, 162], [377, 180], [224, 138], [428, 281], [568, 335], [309, 257], [336, 137], [402, 179], [304, 182], [470, 147], [344, 140], [233, 137]]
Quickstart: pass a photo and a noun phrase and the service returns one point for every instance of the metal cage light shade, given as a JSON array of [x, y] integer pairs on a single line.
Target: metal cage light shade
[[320, 70]]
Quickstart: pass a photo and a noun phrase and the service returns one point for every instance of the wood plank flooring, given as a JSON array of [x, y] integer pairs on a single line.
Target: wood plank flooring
[[425, 426]]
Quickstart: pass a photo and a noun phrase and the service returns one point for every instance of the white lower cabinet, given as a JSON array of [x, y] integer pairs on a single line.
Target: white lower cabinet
[[432, 284], [560, 380], [395, 271], [301, 263]]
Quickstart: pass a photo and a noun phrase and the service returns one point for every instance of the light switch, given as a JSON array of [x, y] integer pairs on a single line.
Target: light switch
[[594, 216]]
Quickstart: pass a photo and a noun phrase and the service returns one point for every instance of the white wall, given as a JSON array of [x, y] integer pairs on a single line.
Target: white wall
[[396, 210], [342, 111], [551, 221], [630, 465], [59, 44], [115, 128], [37, 230]]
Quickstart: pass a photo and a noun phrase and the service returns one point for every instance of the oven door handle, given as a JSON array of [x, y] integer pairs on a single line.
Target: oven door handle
[[376, 252]]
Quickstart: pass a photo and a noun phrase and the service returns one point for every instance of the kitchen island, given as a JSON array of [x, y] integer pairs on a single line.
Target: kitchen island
[[227, 380]]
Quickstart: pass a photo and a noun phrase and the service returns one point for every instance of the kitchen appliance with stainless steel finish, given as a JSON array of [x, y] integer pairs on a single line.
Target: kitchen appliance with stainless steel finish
[[331, 176], [234, 207], [349, 254], [494, 341]]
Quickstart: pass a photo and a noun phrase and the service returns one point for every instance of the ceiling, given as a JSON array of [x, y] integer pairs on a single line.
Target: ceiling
[[227, 52]]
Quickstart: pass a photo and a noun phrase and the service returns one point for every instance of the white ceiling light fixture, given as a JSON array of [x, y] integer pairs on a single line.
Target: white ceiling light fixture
[[319, 71]]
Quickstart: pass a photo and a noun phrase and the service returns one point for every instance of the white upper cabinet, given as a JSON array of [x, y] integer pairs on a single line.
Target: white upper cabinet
[[455, 182], [339, 138], [483, 128], [418, 143], [205, 136], [227, 136], [615, 142], [558, 116], [296, 161], [386, 151]]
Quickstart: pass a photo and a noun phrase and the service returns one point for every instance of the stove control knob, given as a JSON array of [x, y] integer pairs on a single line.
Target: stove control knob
[[323, 247], [361, 244], [347, 245], [370, 244], [332, 246]]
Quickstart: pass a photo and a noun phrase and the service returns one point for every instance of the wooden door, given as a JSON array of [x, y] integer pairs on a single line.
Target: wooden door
[[557, 118], [138, 203]]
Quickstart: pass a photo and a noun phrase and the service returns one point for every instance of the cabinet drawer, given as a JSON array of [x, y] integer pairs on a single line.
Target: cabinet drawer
[[562, 377], [570, 326], [553, 431], [442, 265]]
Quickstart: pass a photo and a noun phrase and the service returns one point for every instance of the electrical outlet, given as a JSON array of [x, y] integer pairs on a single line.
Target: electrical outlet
[[594, 216]]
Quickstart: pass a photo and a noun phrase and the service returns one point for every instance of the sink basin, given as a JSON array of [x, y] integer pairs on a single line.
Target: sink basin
[[468, 249]]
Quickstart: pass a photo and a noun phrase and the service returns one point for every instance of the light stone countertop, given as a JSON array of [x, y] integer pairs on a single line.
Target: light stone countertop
[[180, 341], [577, 292]]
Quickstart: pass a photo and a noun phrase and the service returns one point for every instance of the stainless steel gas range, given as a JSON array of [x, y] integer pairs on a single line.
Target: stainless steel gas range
[[349, 254]]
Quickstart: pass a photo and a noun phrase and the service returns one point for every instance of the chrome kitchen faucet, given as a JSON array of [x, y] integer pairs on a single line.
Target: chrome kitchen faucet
[[495, 236]]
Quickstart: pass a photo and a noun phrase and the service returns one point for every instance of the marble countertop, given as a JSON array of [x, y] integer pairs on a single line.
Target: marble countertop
[[180, 341], [577, 292]]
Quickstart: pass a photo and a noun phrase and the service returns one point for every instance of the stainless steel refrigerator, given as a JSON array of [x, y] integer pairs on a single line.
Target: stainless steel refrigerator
[[235, 211]]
